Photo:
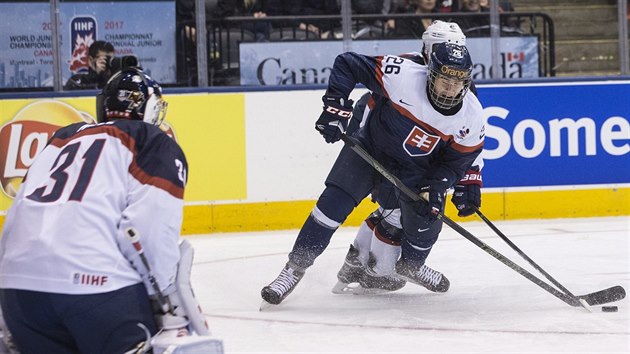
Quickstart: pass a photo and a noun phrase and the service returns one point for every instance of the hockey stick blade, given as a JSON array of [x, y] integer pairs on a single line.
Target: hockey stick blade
[[605, 296]]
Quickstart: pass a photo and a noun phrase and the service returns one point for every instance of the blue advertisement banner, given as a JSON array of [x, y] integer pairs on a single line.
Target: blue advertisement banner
[[552, 135], [26, 45], [309, 62]]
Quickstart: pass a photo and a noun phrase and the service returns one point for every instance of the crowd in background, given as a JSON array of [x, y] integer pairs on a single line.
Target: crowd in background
[[325, 29]]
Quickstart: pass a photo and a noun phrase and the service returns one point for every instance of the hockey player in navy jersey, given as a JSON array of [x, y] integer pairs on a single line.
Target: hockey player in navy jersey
[[72, 278], [369, 265], [425, 127]]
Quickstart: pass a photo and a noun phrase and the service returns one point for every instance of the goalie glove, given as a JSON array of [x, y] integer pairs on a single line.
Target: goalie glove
[[334, 119], [468, 193]]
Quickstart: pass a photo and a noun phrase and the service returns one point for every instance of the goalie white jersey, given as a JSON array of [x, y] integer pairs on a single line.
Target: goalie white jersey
[[64, 231]]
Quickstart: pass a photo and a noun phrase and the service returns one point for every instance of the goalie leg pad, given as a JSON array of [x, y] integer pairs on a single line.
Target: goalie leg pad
[[186, 345], [183, 297]]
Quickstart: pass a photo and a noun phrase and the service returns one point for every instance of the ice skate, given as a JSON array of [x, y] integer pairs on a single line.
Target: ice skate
[[350, 273], [374, 283], [282, 286], [369, 283], [424, 276]]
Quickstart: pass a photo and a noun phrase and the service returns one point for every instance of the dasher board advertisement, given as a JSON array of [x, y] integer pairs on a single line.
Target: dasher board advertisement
[[310, 62], [144, 29], [556, 135]]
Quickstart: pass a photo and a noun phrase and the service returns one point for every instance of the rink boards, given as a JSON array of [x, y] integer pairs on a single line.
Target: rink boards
[[256, 162]]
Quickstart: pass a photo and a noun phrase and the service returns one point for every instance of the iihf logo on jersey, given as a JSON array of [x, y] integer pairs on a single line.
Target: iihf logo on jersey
[[420, 143], [89, 279], [82, 35]]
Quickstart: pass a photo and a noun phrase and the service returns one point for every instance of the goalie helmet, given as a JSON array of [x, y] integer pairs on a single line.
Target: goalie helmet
[[131, 94], [450, 71], [440, 32]]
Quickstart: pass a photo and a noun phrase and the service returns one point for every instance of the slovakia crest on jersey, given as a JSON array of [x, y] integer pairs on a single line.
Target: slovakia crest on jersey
[[420, 143]]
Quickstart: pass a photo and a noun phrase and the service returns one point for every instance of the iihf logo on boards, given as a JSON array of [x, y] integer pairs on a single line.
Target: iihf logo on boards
[[82, 35]]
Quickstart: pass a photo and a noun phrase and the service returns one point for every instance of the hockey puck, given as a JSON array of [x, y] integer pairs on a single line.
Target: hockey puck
[[610, 308]]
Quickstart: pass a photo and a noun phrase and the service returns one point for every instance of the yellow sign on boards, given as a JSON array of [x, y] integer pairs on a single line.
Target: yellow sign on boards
[[209, 128]]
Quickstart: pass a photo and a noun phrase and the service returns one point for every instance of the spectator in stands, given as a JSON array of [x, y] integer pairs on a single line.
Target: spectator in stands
[[503, 6], [100, 55], [322, 28], [414, 27], [375, 7], [447, 5], [245, 8], [257, 9], [480, 25], [474, 24]]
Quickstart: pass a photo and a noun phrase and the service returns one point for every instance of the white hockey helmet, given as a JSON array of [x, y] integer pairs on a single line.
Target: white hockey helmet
[[438, 32]]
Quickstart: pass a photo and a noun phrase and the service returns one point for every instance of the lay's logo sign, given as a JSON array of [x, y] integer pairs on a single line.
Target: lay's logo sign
[[26, 135]]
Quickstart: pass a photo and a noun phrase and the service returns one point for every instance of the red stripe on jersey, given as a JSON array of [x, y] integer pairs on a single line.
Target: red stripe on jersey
[[445, 137], [155, 181], [370, 102], [130, 143], [127, 140], [379, 74]]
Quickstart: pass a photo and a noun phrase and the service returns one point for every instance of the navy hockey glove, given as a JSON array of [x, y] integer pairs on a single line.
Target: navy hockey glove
[[468, 193], [334, 119], [431, 205]]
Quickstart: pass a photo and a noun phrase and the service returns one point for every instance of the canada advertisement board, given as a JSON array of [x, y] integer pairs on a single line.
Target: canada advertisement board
[[295, 63]]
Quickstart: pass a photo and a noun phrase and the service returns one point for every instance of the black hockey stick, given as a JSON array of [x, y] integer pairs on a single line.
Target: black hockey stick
[[553, 281], [595, 298]]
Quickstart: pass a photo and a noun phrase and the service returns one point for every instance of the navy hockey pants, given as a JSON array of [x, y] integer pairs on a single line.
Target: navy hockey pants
[[60, 323], [350, 181]]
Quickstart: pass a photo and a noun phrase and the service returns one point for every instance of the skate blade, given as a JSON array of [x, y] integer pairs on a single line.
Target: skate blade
[[264, 305], [344, 288], [370, 291], [356, 289]]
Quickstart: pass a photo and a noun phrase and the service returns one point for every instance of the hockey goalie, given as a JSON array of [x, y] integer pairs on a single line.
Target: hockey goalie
[[91, 259]]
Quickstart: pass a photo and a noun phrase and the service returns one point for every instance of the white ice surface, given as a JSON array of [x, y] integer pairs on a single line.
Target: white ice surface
[[489, 308]]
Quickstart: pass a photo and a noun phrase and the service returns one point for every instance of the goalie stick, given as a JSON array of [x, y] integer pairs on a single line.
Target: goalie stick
[[134, 237], [597, 298]]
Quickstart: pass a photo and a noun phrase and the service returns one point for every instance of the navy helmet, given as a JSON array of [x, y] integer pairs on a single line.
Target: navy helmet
[[131, 94], [450, 75]]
